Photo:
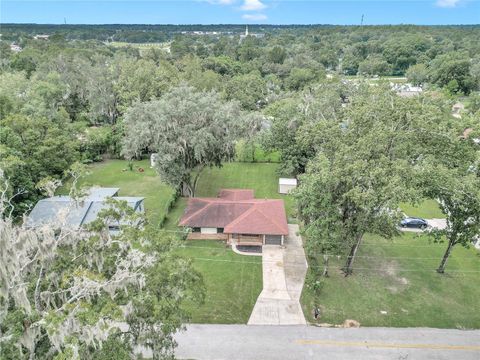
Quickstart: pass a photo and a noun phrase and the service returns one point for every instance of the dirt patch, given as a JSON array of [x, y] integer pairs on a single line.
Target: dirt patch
[[349, 323], [392, 289], [398, 283]]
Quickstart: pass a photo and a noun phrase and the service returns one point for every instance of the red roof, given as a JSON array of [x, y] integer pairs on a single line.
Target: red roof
[[236, 211]]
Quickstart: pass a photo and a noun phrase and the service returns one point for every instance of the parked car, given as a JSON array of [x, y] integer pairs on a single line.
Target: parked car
[[411, 222]]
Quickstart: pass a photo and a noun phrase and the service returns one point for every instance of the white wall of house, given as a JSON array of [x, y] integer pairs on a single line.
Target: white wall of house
[[207, 230]]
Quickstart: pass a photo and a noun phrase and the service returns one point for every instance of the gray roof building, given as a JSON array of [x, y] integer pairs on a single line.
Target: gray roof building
[[64, 210]]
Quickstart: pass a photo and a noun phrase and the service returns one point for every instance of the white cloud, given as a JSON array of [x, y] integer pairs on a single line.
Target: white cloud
[[254, 17], [447, 3], [253, 5]]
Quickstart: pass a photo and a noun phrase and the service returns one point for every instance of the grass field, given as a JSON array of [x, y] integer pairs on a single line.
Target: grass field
[[233, 282], [427, 209], [131, 183], [398, 277]]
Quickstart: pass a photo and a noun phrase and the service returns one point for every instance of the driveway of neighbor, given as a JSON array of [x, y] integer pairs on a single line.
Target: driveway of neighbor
[[284, 271], [439, 224]]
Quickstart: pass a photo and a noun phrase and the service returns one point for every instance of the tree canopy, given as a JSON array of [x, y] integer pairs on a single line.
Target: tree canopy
[[188, 129]]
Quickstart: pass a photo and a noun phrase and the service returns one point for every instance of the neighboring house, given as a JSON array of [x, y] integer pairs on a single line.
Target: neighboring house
[[407, 90], [237, 217], [15, 48], [285, 185], [41, 37], [64, 210]]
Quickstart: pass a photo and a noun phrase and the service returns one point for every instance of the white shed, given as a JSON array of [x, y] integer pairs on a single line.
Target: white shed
[[153, 159], [285, 185]]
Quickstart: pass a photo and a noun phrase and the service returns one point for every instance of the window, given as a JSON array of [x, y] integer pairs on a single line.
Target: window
[[196, 229], [220, 230]]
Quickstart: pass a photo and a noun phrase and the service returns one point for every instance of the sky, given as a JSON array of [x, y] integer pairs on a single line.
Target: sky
[[345, 12]]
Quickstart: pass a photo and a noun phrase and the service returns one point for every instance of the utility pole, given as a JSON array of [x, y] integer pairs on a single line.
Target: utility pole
[[65, 20], [361, 21]]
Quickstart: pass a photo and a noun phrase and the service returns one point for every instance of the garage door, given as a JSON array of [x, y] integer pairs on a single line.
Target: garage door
[[273, 239]]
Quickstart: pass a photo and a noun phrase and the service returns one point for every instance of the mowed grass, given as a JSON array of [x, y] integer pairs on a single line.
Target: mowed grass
[[131, 183], [398, 277], [427, 209], [233, 282]]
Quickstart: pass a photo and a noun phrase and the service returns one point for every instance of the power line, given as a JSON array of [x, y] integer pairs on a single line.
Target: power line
[[331, 267], [227, 249]]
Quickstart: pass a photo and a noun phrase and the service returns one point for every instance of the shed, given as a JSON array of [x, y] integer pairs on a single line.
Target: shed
[[285, 185], [153, 159]]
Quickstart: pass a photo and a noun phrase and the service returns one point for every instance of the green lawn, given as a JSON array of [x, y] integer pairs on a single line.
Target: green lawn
[[399, 277], [427, 209], [233, 282], [131, 183]]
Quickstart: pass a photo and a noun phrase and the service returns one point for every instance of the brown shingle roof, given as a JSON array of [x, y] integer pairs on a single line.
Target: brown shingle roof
[[237, 211]]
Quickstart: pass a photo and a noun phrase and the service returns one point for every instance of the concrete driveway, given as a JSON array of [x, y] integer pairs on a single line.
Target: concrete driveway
[[284, 271]]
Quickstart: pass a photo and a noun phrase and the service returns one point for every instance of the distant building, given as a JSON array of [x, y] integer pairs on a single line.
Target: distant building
[[15, 48], [41, 37], [406, 90], [247, 33], [59, 210]]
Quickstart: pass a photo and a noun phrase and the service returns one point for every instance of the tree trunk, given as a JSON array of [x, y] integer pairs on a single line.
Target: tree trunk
[[441, 268], [38, 306], [351, 257], [186, 190], [325, 265]]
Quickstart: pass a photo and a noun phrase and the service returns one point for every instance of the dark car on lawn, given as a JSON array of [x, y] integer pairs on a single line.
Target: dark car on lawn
[[411, 222]]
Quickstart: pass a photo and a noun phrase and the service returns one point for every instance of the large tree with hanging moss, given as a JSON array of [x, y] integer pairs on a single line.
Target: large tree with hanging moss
[[188, 129]]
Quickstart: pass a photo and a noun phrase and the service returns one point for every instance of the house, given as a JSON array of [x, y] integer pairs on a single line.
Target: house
[[15, 48], [41, 37], [406, 90], [58, 210], [236, 217], [285, 185]]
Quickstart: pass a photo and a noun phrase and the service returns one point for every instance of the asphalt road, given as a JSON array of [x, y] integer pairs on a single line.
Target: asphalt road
[[265, 342]]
